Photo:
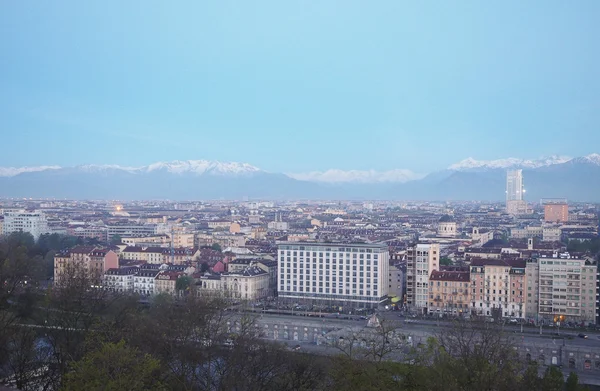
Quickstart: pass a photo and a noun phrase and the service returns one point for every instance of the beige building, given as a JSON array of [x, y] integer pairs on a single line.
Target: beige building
[[446, 227], [516, 207], [449, 292], [251, 283], [482, 236], [551, 234], [86, 259], [165, 282], [147, 254], [562, 289]]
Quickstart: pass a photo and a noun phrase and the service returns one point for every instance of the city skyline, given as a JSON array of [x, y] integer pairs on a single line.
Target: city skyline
[[297, 88]]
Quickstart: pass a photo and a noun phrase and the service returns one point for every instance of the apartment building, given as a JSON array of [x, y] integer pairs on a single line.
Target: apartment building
[[449, 292], [143, 281], [120, 279], [421, 260], [551, 234], [91, 260], [165, 282], [396, 281], [341, 274], [152, 255], [562, 288], [130, 230], [26, 221], [498, 287]]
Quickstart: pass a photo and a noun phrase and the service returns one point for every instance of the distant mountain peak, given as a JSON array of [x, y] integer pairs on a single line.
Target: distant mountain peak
[[473, 164], [202, 166], [592, 158], [12, 171], [198, 167]]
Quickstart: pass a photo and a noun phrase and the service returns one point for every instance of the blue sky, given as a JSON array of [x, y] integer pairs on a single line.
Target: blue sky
[[298, 86]]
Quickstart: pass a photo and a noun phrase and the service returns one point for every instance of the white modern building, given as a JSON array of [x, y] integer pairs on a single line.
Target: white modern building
[[23, 221], [337, 274], [514, 185], [515, 205], [421, 260]]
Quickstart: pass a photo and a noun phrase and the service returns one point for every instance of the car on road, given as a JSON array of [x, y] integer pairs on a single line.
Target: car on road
[[581, 335], [513, 321], [297, 347]]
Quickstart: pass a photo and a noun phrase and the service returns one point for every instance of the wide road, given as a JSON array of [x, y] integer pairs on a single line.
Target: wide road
[[422, 328]]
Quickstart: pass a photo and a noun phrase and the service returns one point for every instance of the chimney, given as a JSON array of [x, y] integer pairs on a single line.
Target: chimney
[[530, 244]]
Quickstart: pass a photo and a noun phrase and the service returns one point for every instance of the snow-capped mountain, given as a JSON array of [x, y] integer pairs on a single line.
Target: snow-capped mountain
[[201, 167], [12, 171], [593, 158], [197, 167], [553, 177], [357, 176], [472, 164]]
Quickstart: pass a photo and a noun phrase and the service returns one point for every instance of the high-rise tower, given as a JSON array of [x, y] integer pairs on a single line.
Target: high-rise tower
[[514, 193]]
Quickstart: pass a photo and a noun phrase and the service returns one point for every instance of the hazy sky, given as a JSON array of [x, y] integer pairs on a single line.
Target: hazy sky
[[298, 85]]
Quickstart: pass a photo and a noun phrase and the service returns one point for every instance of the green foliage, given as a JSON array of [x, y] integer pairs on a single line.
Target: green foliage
[[216, 247], [593, 246], [204, 267], [184, 284], [116, 239], [530, 380], [553, 379], [114, 366], [445, 261], [572, 383]]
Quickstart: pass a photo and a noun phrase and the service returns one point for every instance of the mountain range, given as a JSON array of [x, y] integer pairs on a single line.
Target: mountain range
[[576, 179]]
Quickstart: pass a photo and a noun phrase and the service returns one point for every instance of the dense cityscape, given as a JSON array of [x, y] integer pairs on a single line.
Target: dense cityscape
[[313, 273], [299, 195]]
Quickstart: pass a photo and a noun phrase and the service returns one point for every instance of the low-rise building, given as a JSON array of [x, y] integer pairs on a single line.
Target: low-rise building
[[165, 282], [250, 284], [143, 281], [120, 279]]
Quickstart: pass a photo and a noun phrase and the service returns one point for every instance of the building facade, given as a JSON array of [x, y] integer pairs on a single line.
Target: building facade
[[564, 287], [556, 212], [343, 274], [498, 288], [84, 259], [449, 293], [421, 260], [143, 282], [120, 279], [34, 222]]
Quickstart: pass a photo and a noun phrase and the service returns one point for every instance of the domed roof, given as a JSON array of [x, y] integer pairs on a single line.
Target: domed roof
[[446, 219]]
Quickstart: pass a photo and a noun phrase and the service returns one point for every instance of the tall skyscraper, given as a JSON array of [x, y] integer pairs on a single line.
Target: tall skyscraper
[[514, 185], [515, 205]]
